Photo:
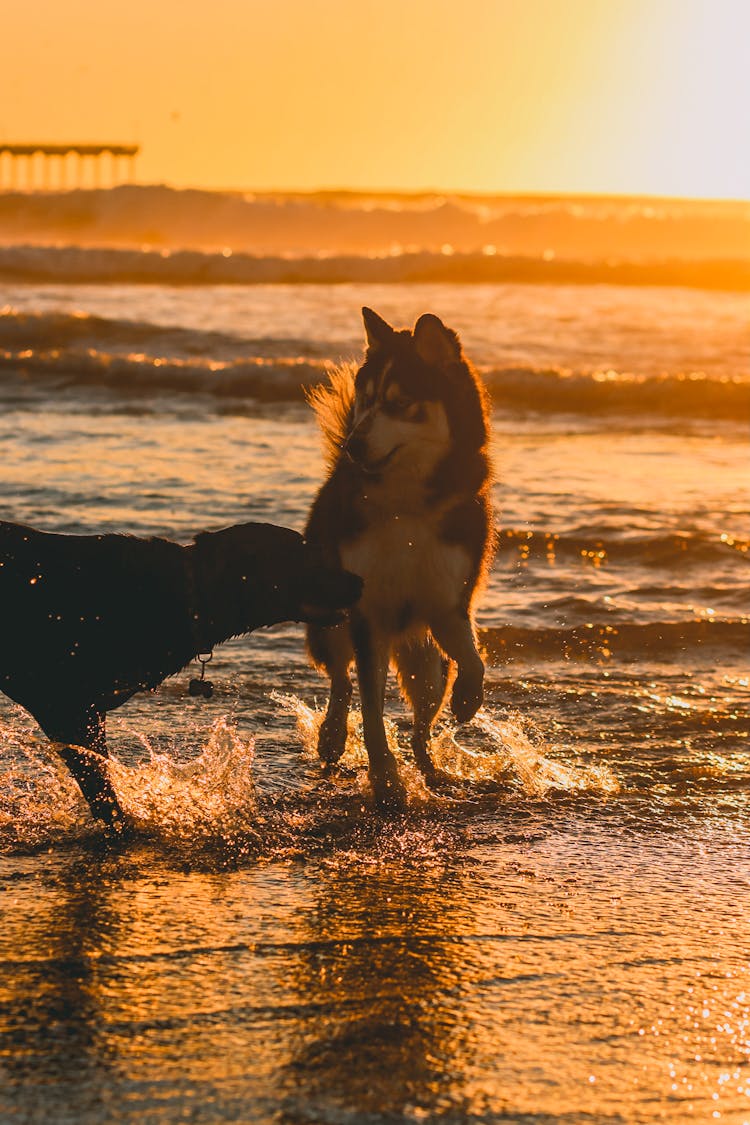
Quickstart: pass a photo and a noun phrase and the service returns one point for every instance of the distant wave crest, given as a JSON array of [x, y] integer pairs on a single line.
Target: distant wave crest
[[681, 395], [671, 549], [77, 264], [629, 641], [340, 222]]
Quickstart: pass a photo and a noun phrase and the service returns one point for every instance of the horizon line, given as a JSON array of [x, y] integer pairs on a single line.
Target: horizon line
[[477, 194]]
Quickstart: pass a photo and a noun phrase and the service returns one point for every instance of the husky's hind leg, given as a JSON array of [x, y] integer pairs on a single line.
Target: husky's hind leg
[[455, 634], [423, 674], [332, 650]]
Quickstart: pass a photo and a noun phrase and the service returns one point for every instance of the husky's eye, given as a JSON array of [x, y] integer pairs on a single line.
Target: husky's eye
[[412, 411]]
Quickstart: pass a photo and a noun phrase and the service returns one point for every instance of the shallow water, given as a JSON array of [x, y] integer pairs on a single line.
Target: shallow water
[[563, 936]]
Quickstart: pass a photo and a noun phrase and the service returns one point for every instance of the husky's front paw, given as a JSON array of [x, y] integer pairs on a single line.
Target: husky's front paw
[[441, 782], [468, 694], [331, 740], [389, 791]]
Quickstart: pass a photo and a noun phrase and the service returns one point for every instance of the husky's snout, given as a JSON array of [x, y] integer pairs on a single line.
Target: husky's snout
[[355, 446], [357, 449]]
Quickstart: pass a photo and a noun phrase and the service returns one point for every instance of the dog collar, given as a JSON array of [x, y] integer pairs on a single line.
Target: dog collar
[[197, 623]]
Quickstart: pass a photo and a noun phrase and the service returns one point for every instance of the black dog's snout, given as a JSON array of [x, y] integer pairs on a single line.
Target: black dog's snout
[[336, 588], [327, 593], [355, 586]]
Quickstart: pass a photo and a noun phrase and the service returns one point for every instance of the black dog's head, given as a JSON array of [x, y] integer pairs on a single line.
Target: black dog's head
[[256, 574]]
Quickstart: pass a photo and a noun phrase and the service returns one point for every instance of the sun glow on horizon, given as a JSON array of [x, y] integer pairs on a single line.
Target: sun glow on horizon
[[648, 97]]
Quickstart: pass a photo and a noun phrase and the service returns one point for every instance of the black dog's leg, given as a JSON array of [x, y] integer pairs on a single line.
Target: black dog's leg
[[84, 751], [371, 654]]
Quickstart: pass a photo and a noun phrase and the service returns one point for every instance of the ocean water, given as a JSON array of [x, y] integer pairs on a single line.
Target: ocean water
[[565, 938]]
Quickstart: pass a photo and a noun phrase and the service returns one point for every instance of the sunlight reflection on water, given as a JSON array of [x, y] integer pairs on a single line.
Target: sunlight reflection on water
[[561, 939], [405, 972]]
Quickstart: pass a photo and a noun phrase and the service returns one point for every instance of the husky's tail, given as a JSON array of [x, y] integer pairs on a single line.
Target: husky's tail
[[332, 403]]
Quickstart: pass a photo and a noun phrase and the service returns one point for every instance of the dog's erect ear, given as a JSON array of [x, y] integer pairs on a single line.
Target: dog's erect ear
[[378, 330], [436, 344]]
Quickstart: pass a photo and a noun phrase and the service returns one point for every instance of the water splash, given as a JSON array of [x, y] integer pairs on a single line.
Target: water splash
[[205, 802], [209, 804], [513, 751], [208, 799], [508, 757], [354, 762], [40, 804]]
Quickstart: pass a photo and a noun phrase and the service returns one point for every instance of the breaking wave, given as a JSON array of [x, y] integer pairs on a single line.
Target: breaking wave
[[136, 357], [258, 378]]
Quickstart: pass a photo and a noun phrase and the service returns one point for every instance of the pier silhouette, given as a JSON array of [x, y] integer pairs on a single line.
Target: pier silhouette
[[88, 157]]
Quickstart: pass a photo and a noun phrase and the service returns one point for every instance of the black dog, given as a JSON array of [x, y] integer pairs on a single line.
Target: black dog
[[88, 620]]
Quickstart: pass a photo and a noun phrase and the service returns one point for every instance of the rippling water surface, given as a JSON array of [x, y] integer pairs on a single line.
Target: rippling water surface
[[564, 938]]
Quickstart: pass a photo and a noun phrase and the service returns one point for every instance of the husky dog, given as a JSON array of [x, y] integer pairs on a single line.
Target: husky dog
[[406, 506]]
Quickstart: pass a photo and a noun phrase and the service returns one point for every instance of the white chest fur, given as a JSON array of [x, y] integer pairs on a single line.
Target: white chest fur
[[406, 566]]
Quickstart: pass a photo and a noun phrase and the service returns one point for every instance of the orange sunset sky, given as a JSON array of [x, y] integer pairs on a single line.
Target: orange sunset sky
[[624, 96]]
